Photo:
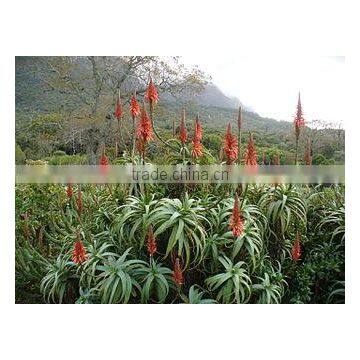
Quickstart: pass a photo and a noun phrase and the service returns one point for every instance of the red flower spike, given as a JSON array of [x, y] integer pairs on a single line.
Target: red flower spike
[[104, 161], [196, 149], [144, 130], [236, 222], [69, 191], [177, 273], [118, 109], [79, 252], [134, 107], [250, 154], [198, 129], [183, 132], [151, 94], [196, 142], [79, 202], [231, 146], [151, 241], [299, 120], [296, 249]]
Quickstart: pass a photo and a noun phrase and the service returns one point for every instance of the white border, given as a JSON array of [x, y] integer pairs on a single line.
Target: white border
[[258, 28]]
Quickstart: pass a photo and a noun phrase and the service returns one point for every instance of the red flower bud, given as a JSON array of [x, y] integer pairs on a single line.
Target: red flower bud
[[236, 221], [250, 154], [151, 241], [183, 133], [296, 249], [231, 146], [151, 94], [177, 273], [299, 120], [79, 252], [79, 202], [69, 191], [134, 107]]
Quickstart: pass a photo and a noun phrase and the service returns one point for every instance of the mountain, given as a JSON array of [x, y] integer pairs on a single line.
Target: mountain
[[32, 94], [213, 96]]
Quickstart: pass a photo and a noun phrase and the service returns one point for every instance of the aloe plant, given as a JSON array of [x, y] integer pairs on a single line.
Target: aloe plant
[[57, 283], [184, 222], [97, 254], [221, 236], [196, 296], [250, 241], [335, 220], [133, 218], [156, 280], [117, 278], [282, 205], [268, 292], [242, 269], [87, 296], [338, 294], [233, 285]]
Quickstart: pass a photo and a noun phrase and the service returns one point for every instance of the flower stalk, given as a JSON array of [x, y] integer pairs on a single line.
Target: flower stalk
[[239, 124]]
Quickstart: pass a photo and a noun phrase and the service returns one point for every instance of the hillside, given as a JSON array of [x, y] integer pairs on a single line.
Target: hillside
[[35, 99]]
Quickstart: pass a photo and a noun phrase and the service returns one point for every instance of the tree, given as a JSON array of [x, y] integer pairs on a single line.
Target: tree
[[19, 155], [94, 81]]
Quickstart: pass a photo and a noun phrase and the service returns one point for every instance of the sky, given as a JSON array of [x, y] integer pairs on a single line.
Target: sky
[[270, 86]]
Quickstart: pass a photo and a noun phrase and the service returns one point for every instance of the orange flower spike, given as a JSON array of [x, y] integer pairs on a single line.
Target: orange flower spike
[[231, 146], [250, 154], [196, 149], [299, 120], [296, 249], [118, 108], [151, 95], [79, 202], [177, 273], [135, 109], [144, 130], [69, 191], [198, 129], [196, 142], [104, 161], [183, 132], [79, 252], [151, 241], [236, 222]]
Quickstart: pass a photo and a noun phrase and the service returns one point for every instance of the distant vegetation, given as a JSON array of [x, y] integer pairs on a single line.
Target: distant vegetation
[[56, 99]]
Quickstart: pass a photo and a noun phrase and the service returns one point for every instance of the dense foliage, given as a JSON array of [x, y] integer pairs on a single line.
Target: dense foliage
[[256, 267], [166, 243]]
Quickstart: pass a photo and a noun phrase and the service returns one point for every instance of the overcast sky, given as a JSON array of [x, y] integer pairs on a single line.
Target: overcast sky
[[270, 85]]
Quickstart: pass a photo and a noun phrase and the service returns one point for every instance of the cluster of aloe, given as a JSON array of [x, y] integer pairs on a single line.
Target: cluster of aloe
[[216, 266]]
